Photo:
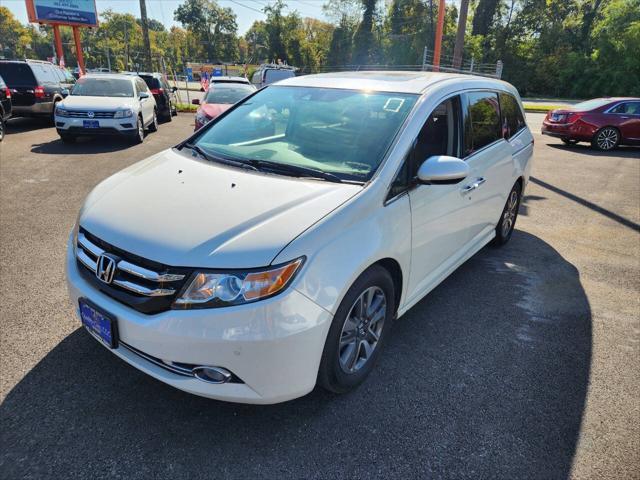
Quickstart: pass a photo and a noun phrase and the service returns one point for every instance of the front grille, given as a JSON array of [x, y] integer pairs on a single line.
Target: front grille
[[85, 114], [147, 286]]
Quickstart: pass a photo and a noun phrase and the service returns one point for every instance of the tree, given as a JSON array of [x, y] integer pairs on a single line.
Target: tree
[[363, 40], [341, 44]]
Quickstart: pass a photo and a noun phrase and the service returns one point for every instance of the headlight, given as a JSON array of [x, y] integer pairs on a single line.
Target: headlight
[[61, 112], [219, 289], [123, 113]]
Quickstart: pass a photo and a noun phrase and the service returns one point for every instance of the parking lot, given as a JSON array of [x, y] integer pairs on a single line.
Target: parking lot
[[523, 364]]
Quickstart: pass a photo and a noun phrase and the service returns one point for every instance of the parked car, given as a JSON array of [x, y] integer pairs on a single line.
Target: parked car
[[5, 107], [270, 73], [219, 98], [164, 94], [36, 86], [107, 104], [247, 263], [603, 122], [226, 79]]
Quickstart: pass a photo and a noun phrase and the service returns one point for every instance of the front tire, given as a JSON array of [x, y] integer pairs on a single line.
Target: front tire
[[358, 331], [606, 139], [507, 222], [3, 127], [138, 137]]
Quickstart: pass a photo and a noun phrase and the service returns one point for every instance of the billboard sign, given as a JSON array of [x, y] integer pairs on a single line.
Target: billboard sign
[[63, 12]]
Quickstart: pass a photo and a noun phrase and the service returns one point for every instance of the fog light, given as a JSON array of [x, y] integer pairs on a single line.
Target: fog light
[[212, 374]]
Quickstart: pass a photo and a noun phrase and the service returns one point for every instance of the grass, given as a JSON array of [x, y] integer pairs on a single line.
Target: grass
[[540, 107], [186, 107]]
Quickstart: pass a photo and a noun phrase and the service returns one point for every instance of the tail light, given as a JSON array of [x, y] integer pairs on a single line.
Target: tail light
[[157, 91], [573, 117], [38, 92], [7, 92]]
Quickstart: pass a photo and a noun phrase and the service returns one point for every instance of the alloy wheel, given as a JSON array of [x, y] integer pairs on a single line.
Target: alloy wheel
[[140, 129], [607, 138], [362, 329], [509, 217]]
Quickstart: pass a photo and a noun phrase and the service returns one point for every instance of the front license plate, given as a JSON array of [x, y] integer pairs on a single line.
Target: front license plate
[[91, 124], [98, 323]]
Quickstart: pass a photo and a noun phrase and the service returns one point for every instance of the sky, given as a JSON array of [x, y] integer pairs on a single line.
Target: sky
[[162, 10]]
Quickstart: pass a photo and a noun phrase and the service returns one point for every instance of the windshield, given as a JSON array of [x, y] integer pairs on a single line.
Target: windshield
[[102, 87], [228, 93], [342, 132]]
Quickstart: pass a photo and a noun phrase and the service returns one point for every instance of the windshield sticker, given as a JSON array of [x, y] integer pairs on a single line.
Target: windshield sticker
[[393, 105]]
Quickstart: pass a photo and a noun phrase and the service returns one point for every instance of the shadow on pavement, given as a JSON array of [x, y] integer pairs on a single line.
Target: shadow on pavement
[[25, 124], [82, 146], [623, 151], [485, 378], [586, 203]]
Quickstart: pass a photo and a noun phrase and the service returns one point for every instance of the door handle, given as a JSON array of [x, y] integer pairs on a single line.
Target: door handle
[[472, 186], [624, 117]]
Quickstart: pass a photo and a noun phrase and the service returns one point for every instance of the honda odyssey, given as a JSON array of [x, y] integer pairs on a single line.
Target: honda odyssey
[[273, 249]]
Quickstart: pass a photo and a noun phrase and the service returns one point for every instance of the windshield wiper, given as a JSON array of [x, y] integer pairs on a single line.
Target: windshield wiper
[[212, 158], [294, 170]]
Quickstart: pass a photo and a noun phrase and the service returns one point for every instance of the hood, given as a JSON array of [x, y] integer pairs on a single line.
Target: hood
[[185, 212], [98, 103], [212, 110]]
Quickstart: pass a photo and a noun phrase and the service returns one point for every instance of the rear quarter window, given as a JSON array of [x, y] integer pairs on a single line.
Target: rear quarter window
[[17, 74], [482, 121]]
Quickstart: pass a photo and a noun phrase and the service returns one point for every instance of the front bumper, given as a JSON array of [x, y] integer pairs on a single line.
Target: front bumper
[[107, 126], [273, 346]]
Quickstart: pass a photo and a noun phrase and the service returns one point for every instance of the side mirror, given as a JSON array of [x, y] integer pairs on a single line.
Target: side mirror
[[174, 89], [442, 170], [64, 92], [195, 101], [143, 95]]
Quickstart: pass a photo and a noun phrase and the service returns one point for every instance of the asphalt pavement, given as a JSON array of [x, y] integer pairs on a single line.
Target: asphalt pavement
[[524, 363]]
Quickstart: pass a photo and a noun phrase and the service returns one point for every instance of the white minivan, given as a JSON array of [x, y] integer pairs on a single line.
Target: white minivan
[[273, 249]]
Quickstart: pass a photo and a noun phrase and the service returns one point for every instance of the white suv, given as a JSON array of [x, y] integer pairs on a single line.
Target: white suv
[[107, 104], [275, 247]]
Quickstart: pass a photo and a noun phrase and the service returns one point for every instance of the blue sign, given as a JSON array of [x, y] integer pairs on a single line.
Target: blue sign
[[82, 12], [217, 72]]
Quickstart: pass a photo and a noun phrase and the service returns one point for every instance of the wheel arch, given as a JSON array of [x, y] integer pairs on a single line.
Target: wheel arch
[[392, 266]]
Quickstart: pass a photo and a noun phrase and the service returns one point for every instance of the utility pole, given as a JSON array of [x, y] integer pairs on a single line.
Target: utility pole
[[438, 43], [462, 26], [145, 35]]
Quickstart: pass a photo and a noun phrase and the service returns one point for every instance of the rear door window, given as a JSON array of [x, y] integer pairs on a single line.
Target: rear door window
[[482, 121], [17, 74], [627, 108], [512, 117]]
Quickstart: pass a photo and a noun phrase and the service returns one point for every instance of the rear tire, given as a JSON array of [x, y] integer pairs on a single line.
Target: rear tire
[[606, 139], [168, 116], [507, 222], [153, 126], [346, 360]]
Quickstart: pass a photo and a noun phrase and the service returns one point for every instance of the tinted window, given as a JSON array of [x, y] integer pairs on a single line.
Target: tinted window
[[482, 121], [141, 86], [17, 74], [2, 84], [59, 74], [512, 117], [228, 93], [628, 108], [271, 76], [44, 73], [344, 132], [102, 87], [151, 82]]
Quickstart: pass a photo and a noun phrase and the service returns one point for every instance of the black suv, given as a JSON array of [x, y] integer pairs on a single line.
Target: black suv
[[36, 86], [164, 94], [5, 106]]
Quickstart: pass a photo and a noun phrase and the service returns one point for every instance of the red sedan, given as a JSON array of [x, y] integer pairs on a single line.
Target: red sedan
[[603, 122], [219, 98]]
